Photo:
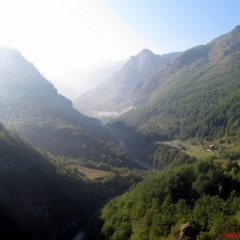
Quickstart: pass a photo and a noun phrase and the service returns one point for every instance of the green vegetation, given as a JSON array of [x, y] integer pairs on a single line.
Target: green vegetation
[[202, 194], [193, 100], [191, 104], [41, 194], [194, 95], [170, 157], [31, 105], [35, 190]]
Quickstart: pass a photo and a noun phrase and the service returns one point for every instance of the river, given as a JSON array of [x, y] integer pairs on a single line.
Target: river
[[79, 235]]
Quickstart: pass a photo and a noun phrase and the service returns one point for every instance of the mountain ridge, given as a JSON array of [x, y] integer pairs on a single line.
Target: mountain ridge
[[194, 95], [116, 95], [20, 76], [31, 105]]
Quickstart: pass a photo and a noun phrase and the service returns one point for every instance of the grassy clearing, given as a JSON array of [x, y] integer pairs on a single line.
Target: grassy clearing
[[93, 173], [192, 150], [223, 162], [202, 151]]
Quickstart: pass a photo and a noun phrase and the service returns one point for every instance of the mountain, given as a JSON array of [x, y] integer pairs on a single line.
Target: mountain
[[20, 77], [80, 80], [196, 94], [117, 95], [31, 105]]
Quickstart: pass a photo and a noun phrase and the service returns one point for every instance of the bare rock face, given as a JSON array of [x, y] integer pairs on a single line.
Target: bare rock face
[[185, 232]]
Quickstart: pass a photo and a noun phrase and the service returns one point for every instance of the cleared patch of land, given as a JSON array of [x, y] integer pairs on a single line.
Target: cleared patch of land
[[221, 161], [203, 151], [193, 150], [93, 173]]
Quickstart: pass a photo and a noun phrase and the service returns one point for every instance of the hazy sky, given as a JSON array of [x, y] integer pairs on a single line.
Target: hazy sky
[[57, 34]]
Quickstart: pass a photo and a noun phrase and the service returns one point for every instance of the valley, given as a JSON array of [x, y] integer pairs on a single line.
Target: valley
[[167, 145]]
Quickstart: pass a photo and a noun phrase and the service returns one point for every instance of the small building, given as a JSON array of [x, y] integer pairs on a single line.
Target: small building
[[212, 147]]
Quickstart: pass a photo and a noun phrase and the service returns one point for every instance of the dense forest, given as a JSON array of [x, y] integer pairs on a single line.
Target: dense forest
[[201, 196], [40, 193]]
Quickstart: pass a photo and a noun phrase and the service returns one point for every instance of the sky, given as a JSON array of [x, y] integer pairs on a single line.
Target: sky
[[57, 34]]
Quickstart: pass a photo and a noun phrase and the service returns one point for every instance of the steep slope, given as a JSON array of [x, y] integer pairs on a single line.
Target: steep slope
[[118, 93], [35, 199], [32, 106], [201, 195], [20, 77], [196, 94], [40, 195]]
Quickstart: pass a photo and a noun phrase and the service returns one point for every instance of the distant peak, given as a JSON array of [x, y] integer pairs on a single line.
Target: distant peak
[[145, 52], [236, 30]]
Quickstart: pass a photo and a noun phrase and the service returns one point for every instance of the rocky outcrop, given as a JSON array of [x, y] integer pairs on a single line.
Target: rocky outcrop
[[185, 230]]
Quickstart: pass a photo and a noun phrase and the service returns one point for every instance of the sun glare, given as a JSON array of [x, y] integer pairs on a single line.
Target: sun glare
[[55, 34]]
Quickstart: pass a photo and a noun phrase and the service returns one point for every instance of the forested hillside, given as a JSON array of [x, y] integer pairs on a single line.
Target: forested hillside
[[194, 95], [117, 95], [197, 201], [30, 104], [41, 194]]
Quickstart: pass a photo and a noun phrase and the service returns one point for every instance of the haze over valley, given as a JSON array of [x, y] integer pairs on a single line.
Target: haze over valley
[[82, 79], [117, 95]]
